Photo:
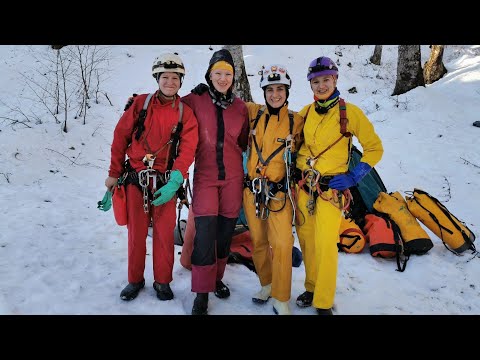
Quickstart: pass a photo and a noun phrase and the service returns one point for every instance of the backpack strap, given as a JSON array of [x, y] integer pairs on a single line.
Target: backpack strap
[[401, 256], [259, 115], [147, 101], [141, 117], [343, 118], [343, 125]]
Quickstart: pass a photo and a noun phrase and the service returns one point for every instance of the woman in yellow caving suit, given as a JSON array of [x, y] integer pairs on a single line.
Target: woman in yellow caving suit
[[275, 133], [323, 179]]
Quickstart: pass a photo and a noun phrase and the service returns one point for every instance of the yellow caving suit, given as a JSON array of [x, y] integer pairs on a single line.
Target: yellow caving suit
[[318, 234], [276, 231]]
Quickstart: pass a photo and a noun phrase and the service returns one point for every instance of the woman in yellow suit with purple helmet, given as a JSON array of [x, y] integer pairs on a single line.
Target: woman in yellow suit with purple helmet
[[275, 134], [323, 179]]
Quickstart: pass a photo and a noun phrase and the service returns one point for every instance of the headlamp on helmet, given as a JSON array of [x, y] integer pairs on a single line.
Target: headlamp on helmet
[[321, 66], [169, 62], [274, 74]]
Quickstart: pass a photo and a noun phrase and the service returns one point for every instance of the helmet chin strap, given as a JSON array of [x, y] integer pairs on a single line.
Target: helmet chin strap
[[162, 95]]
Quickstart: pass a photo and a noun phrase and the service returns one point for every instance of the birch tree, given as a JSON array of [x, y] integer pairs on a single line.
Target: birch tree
[[434, 69], [409, 69]]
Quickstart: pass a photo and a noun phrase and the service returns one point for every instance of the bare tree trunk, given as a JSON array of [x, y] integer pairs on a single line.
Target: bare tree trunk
[[434, 69], [64, 93], [376, 58], [242, 86], [409, 69], [57, 85]]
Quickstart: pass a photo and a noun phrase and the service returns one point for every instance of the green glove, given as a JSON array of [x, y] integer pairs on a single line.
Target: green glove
[[167, 191], [106, 202]]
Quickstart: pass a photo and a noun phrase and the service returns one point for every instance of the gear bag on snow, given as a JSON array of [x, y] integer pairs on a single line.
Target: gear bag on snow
[[415, 239], [351, 239], [455, 234], [241, 248], [384, 239], [179, 232]]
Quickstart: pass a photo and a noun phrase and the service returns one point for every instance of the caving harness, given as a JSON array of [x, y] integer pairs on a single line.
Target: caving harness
[[315, 184], [148, 176], [262, 188]]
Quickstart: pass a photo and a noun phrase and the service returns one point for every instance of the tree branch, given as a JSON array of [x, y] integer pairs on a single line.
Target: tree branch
[[74, 162], [469, 163], [6, 175]]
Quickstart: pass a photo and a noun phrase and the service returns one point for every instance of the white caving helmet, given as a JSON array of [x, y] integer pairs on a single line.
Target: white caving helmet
[[274, 74], [169, 62]]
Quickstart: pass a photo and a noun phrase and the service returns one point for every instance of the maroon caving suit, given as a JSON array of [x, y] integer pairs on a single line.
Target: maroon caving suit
[[159, 122], [217, 185]]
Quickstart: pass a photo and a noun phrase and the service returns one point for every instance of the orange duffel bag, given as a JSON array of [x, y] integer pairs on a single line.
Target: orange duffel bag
[[351, 240], [385, 241]]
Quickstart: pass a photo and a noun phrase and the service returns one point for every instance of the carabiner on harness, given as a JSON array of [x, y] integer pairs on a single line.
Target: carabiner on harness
[[144, 177]]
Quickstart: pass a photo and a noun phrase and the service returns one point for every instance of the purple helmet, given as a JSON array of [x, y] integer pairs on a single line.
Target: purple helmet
[[320, 67]]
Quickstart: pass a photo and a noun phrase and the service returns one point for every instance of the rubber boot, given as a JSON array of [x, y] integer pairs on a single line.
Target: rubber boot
[[324, 311], [305, 300], [281, 307], [200, 304], [221, 290], [164, 292], [131, 291], [263, 295]]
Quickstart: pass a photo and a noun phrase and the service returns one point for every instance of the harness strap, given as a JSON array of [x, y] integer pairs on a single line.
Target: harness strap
[[343, 131], [280, 148], [142, 116], [175, 138], [259, 115], [142, 178], [130, 176], [315, 185]]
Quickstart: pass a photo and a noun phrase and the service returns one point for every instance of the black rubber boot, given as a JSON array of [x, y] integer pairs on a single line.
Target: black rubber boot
[[163, 291], [221, 290], [200, 304], [324, 312], [131, 291], [305, 300]]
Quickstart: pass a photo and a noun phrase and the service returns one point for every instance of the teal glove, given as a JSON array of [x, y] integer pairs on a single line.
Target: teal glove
[[106, 203], [167, 191]]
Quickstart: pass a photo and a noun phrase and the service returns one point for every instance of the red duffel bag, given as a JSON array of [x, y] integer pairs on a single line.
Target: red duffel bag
[[119, 203]]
